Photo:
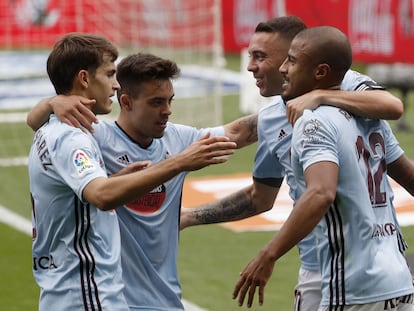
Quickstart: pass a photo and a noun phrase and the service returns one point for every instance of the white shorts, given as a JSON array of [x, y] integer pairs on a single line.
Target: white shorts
[[404, 303], [308, 293]]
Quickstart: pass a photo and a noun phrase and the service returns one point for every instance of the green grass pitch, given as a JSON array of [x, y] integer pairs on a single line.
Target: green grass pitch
[[210, 257]]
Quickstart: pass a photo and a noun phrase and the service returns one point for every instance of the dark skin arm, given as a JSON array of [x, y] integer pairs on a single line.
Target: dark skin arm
[[360, 103], [321, 180], [402, 171]]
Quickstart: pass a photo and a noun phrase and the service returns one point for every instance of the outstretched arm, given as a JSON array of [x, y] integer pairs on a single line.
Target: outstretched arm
[[374, 104], [242, 131], [252, 200], [73, 110], [109, 193], [133, 167], [321, 180]]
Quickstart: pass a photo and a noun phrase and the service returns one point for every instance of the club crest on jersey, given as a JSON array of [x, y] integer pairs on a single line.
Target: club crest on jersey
[[310, 133], [311, 127], [82, 162]]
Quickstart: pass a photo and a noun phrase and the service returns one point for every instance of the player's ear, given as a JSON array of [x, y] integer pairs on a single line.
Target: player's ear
[[83, 78], [322, 71], [125, 102]]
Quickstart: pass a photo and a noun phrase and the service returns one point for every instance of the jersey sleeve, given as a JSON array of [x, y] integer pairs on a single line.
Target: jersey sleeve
[[393, 149], [355, 81], [77, 160], [315, 138], [267, 169]]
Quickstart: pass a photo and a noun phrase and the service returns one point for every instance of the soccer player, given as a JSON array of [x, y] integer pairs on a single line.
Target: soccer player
[[150, 225], [76, 238], [268, 48], [340, 165]]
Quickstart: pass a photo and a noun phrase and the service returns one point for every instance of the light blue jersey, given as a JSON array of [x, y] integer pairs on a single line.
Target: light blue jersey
[[76, 246], [272, 162], [150, 225], [357, 240]]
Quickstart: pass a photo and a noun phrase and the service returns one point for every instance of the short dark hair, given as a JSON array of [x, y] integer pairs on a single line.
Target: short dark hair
[[143, 67], [287, 26], [331, 46], [75, 52]]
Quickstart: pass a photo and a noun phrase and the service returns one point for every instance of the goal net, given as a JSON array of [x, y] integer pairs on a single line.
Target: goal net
[[186, 31]]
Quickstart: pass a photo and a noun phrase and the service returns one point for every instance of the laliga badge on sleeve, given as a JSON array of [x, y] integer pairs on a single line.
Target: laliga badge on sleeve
[[82, 162]]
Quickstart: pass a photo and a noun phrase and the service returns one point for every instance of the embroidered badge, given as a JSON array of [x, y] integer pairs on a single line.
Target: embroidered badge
[[311, 127], [82, 162]]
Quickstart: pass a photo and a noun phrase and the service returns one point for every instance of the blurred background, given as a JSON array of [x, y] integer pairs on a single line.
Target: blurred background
[[208, 39]]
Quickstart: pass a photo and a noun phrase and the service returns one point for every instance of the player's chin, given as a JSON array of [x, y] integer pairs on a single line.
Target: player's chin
[[108, 106], [284, 87], [102, 109], [107, 110], [285, 93], [159, 134]]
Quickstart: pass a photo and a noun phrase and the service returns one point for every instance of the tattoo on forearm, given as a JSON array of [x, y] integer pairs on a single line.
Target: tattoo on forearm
[[251, 124], [233, 207]]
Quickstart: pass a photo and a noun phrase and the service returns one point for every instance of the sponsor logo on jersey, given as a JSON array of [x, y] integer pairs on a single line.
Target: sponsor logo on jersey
[[82, 162], [282, 134], [149, 203], [382, 230], [124, 159], [44, 263]]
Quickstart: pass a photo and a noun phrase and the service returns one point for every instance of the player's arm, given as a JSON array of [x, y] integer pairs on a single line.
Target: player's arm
[[109, 193], [402, 171], [372, 103], [133, 167], [321, 181], [72, 110], [242, 131], [249, 201]]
